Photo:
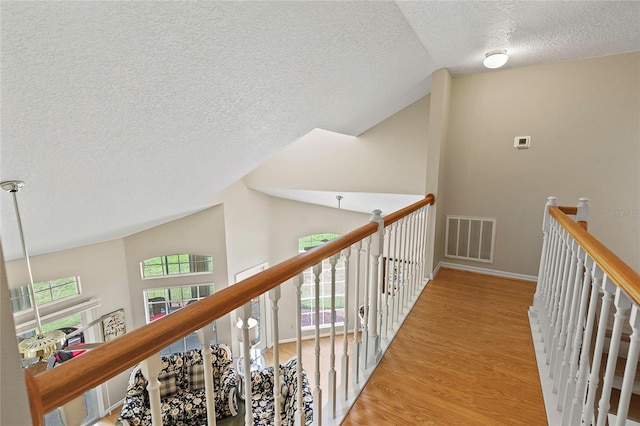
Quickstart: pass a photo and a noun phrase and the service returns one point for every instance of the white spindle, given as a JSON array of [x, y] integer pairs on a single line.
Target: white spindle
[[546, 226], [205, 336], [244, 313], [377, 241], [365, 314], [608, 288], [384, 298], [630, 368], [405, 258], [563, 308], [555, 258], [552, 336], [274, 297], [575, 306], [547, 282], [332, 339], [622, 304], [317, 390], [150, 368], [297, 282], [423, 251], [355, 351], [574, 411], [345, 328], [567, 314], [395, 278], [570, 388]]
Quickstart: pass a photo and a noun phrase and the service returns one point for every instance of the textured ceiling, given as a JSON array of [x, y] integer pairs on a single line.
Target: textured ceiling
[[124, 115]]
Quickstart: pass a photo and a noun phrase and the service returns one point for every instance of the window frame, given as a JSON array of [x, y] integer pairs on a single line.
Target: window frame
[[25, 295], [165, 264], [314, 240]]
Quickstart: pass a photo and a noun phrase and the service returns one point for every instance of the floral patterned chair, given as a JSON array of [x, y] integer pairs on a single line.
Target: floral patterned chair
[[182, 390], [262, 400]]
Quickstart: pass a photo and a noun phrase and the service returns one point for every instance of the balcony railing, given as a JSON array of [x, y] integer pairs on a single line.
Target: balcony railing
[[583, 341], [384, 271]]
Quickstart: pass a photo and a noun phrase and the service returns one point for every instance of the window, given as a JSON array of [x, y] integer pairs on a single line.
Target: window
[[45, 292], [163, 301], [176, 264], [308, 286]]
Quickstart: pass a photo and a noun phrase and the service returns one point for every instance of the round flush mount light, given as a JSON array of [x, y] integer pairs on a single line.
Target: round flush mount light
[[495, 59]]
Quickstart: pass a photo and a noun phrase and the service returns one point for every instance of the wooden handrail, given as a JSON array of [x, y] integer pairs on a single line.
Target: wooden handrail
[[621, 273], [569, 209], [396, 216], [59, 385]]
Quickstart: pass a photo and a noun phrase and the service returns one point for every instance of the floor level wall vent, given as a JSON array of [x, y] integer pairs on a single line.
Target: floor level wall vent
[[470, 238]]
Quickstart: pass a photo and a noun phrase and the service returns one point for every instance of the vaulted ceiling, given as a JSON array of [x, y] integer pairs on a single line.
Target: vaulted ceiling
[[123, 115]]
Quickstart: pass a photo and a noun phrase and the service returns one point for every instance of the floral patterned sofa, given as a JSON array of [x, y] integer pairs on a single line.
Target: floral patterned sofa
[[262, 398], [182, 390]]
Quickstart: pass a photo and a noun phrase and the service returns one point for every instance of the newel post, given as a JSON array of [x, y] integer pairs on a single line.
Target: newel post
[[377, 242], [546, 228], [583, 212]]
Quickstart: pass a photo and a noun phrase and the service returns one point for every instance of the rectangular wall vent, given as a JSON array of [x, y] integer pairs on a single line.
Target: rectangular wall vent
[[470, 238]]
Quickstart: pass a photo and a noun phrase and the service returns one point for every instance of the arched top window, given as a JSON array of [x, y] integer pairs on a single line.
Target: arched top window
[[315, 240], [176, 264], [46, 292]]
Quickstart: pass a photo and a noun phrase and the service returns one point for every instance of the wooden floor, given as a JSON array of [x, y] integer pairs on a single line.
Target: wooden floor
[[464, 356]]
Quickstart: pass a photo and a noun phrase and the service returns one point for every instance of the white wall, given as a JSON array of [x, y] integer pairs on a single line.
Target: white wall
[[102, 275], [388, 158], [201, 233], [290, 221], [584, 121]]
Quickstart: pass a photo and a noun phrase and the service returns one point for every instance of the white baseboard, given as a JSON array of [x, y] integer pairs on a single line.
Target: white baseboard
[[486, 271], [435, 271]]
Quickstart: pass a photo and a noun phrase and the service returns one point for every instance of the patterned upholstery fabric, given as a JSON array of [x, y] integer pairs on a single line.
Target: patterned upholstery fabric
[[262, 401], [187, 406]]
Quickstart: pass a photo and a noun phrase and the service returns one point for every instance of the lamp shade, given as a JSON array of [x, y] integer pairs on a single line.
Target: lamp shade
[[254, 331], [495, 59]]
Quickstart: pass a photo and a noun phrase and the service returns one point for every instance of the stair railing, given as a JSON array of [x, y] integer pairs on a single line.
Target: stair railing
[[578, 282], [394, 245]]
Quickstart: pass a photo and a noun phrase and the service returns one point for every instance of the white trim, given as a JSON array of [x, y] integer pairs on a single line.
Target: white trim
[[487, 271], [435, 272], [25, 326]]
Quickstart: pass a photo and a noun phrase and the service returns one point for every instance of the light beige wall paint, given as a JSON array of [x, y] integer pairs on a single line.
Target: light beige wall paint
[[583, 119], [200, 233], [246, 215], [436, 149], [14, 405], [102, 275], [290, 221], [388, 158]]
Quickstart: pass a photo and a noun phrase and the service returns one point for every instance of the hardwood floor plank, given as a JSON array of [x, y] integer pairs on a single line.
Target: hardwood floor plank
[[464, 356]]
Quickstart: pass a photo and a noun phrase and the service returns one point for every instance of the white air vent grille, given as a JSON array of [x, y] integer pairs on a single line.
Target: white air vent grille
[[470, 238]]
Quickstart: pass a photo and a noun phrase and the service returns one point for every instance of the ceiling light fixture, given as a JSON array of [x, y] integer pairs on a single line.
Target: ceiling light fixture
[[42, 345], [495, 59]]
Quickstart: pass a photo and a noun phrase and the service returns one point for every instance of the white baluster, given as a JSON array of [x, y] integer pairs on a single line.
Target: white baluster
[[297, 282], [423, 252], [405, 266], [150, 368], [552, 285], [317, 391], [562, 308], [274, 297], [395, 274], [365, 314], [384, 290], [574, 414], [575, 307], [345, 328], [568, 313], [552, 337], [355, 348], [205, 336], [622, 304], [373, 338], [546, 226], [608, 288], [630, 368], [547, 281], [244, 313], [570, 388], [332, 352]]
